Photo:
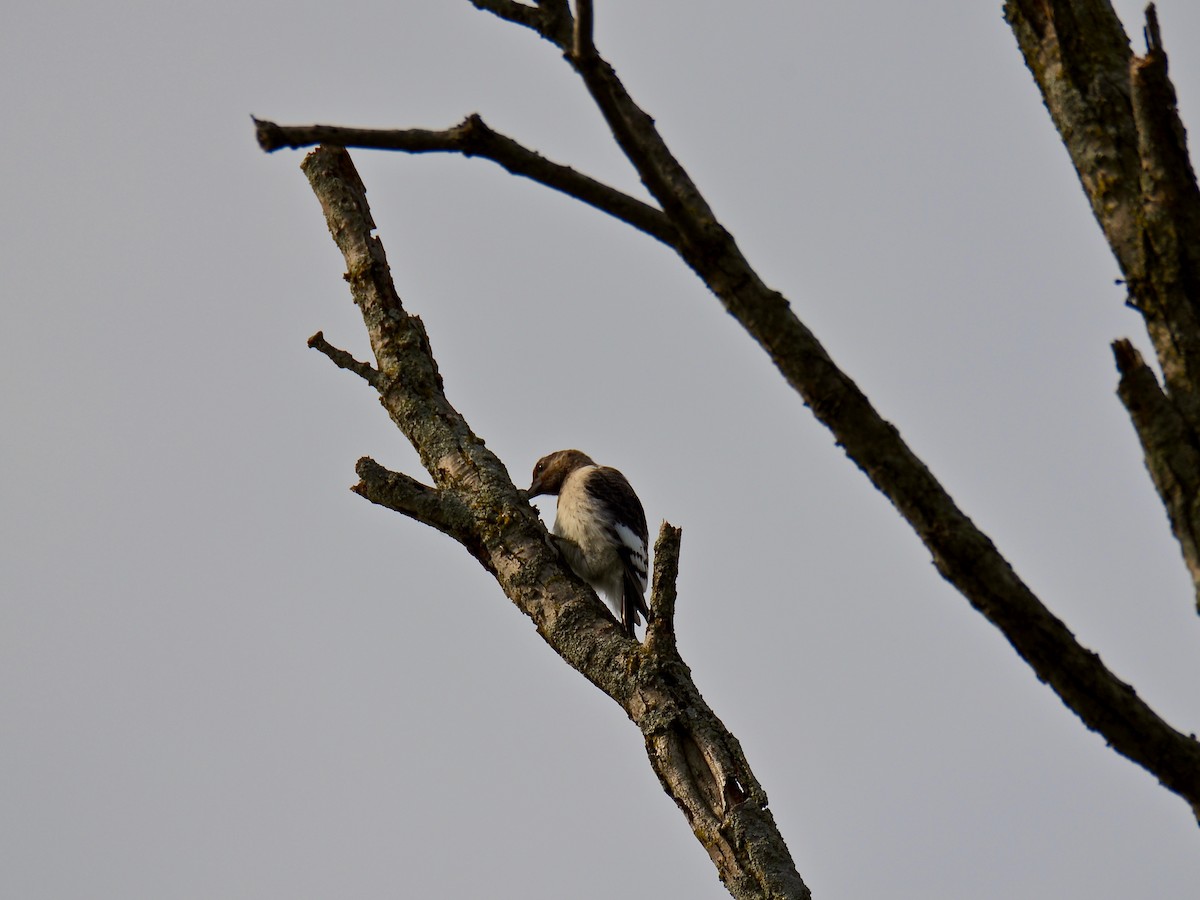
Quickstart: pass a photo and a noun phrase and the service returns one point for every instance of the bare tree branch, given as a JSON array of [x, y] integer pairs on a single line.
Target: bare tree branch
[[521, 13], [961, 552], [1167, 288], [550, 18], [1117, 116], [699, 763], [399, 492], [344, 360], [660, 629], [1079, 56], [473, 137], [1171, 456], [582, 45]]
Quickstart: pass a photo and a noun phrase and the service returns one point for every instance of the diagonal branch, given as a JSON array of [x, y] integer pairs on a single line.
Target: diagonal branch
[[473, 137], [1079, 56], [1167, 445], [403, 494], [550, 18], [344, 360], [633, 129], [520, 13], [961, 552], [698, 762]]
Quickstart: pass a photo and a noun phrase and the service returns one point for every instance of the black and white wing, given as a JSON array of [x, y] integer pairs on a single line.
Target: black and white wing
[[622, 511]]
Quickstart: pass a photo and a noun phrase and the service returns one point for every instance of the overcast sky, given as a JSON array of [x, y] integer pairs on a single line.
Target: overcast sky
[[223, 675]]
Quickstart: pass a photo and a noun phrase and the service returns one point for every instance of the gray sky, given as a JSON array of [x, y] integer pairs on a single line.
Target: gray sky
[[223, 675]]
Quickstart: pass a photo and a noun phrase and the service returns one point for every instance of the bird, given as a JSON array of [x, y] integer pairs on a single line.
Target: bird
[[600, 527]]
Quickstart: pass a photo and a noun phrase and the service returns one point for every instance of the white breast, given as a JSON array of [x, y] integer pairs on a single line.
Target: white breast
[[590, 552]]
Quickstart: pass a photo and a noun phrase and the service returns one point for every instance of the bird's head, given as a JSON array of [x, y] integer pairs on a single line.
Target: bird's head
[[552, 470]]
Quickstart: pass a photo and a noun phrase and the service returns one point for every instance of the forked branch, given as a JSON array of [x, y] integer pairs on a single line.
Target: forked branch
[[962, 553], [473, 137], [699, 763], [1118, 119]]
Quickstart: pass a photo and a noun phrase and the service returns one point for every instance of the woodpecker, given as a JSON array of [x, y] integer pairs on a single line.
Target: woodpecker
[[601, 528]]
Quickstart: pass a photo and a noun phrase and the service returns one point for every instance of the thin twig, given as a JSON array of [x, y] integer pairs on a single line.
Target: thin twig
[[1151, 32], [473, 137], [344, 360]]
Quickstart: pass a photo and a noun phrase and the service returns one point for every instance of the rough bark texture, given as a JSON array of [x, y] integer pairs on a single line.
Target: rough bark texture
[[699, 763], [1117, 117]]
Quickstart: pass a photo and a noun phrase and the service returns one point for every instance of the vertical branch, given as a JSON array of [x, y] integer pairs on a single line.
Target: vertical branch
[[583, 46], [1167, 291], [1117, 115], [660, 630]]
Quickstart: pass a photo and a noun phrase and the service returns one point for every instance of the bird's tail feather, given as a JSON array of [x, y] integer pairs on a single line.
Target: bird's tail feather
[[632, 603]]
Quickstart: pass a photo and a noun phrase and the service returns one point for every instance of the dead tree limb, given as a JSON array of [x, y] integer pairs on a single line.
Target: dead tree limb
[[473, 137], [1087, 87], [472, 499], [1117, 116], [961, 552]]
